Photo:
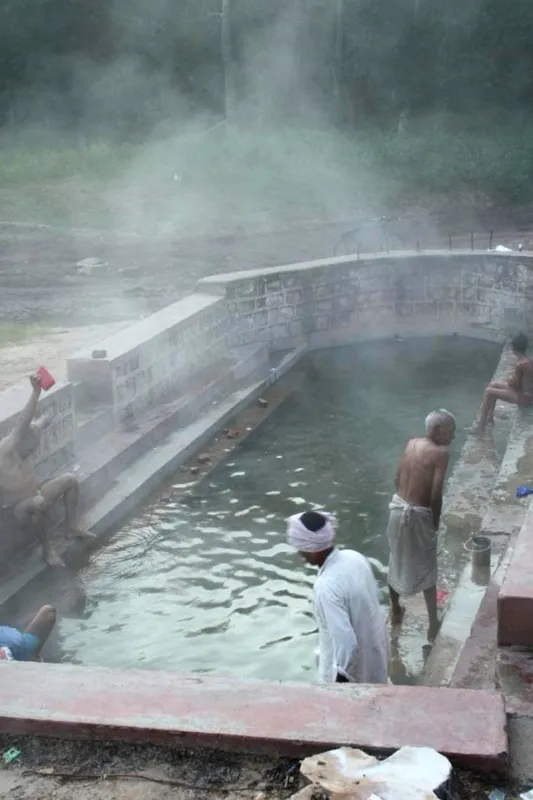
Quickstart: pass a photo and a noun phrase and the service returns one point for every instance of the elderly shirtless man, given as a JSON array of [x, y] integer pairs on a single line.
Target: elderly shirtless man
[[23, 502], [415, 515]]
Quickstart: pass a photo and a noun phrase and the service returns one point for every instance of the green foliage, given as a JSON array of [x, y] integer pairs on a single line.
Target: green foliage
[[252, 178], [116, 72]]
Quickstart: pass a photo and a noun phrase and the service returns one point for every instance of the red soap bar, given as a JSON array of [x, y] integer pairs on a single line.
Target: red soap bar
[[46, 380]]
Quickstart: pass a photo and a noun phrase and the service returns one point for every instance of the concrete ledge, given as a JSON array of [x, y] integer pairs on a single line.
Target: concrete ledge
[[506, 513], [216, 284], [287, 719], [339, 300], [153, 360], [468, 494], [515, 599], [476, 665]]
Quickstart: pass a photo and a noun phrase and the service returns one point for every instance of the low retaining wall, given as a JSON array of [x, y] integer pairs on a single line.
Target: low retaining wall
[[289, 719], [336, 300], [156, 359]]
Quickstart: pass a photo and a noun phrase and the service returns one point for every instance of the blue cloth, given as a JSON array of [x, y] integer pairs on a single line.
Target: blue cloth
[[23, 646]]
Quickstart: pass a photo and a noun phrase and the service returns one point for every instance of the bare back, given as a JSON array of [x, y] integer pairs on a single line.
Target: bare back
[[420, 476], [522, 380], [17, 475]]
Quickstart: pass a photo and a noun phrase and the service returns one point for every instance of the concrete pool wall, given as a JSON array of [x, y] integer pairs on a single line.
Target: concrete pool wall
[[334, 301], [145, 399]]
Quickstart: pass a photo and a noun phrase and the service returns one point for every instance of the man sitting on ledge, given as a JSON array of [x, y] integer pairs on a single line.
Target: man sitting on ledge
[[518, 389], [27, 646], [23, 502]]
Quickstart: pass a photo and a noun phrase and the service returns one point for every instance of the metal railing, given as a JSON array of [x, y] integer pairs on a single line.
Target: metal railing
[[389, 234]]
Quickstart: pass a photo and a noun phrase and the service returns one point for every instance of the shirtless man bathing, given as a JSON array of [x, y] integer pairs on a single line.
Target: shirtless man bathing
[[518, 389], [23, 502], [415, 515]]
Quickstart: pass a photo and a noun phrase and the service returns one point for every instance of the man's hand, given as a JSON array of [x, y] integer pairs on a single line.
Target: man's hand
[[35, 384]]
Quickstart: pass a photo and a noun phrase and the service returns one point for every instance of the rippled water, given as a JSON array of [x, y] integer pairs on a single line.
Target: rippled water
[[212, 586]]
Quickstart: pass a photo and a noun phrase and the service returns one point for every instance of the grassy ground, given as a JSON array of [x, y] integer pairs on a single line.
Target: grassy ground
[[18, 332], [219, 179]]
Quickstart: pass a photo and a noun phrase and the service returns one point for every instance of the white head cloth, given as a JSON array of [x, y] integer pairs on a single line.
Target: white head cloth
[[306, 541]]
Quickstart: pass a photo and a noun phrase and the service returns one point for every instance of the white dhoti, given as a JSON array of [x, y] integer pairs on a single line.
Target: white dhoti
[[413, 548]]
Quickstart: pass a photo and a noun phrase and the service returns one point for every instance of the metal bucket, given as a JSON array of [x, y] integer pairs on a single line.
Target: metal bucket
[[480, 548]]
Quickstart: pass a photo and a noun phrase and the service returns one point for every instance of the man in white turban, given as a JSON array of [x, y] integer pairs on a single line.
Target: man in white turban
[[354, 646]]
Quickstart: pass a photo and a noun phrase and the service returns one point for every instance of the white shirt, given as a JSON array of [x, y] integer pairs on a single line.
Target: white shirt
[[351, 623]]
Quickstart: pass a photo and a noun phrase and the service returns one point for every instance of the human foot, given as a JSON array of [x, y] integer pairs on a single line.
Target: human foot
[[78, 533], [396, 615], [476, 430]]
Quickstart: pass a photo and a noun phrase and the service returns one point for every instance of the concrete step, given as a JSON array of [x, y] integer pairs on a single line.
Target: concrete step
[[466, 503], [103, 463], [469, 487], [289, 719], [509, 520], [251, 363], [506, 513], [91, 426], [503, 516]]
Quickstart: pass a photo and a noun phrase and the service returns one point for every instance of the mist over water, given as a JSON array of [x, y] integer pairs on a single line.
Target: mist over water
[[212, 586]]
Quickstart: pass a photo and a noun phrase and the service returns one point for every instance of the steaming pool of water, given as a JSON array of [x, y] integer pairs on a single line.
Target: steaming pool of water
[[211, 586]]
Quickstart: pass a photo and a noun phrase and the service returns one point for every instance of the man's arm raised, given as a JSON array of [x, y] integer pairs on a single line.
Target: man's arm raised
[[24, 420]]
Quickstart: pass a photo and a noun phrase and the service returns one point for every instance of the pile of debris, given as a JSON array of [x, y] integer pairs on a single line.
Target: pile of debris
[[412, 773]]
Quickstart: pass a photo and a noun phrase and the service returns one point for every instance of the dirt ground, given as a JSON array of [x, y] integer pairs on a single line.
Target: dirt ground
[[70, 770], [48, 770], [50, 347], [65, 307], [41, 280]]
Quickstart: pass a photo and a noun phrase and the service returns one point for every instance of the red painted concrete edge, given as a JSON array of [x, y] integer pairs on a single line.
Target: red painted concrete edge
[[515, 599], [251, 716], [514, 620]]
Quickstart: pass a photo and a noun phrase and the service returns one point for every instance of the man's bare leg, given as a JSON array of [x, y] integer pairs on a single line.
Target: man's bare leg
[[67, 487], [494, 392], [41, 625], [430, 596], [397, 610], [32, 512]]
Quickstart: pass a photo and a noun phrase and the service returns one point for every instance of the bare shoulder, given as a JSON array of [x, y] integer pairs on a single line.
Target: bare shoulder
[[441, 456]]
